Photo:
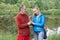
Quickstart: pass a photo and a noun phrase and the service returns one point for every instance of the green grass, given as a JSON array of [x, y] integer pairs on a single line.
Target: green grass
[[54, 37], [8, 37]]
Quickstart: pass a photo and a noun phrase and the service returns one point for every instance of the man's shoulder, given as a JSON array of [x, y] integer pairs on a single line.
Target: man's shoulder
[[18, 15]]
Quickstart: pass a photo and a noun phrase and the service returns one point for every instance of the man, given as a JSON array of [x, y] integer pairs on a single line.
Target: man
[[38, 22], [23, 23]]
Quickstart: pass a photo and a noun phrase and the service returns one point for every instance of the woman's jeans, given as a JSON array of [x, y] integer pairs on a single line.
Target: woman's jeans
[[39, 35]]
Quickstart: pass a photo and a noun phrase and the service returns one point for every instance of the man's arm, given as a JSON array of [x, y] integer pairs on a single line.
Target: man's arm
[[19, 23]]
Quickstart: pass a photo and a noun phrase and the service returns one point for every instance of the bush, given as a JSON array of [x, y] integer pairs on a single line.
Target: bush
[[7, 23], [8, 9], [52, 12]]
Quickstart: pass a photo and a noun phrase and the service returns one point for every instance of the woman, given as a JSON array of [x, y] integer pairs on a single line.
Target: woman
[[38, 22]]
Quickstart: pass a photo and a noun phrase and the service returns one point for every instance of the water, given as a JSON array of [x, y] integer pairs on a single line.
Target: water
[[54, 31]]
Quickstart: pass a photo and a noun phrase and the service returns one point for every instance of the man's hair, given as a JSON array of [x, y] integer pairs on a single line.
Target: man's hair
[[21, 6]]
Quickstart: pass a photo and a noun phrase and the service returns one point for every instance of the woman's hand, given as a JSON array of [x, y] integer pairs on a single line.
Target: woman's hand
[[33, 23]]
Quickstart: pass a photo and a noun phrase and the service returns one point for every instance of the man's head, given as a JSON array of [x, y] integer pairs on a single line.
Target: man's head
[[36, 10], [23, 9]]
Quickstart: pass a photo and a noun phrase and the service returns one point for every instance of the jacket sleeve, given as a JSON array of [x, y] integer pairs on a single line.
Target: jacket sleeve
[[18, 23], [42, 22]]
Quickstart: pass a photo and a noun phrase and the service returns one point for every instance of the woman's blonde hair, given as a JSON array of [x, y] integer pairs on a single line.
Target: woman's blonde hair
[[37, 7]]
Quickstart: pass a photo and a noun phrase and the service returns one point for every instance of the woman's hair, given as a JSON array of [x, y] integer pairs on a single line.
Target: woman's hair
[[36, 7]]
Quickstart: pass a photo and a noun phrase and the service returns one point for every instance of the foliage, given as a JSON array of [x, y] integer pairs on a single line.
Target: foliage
[[10, 8], [54, 37], [7, 36]]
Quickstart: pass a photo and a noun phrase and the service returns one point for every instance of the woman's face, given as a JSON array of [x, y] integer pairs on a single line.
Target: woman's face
[[35, 10]]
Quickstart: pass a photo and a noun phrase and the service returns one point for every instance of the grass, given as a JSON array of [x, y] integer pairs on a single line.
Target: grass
[[54, 37], [7, 36]]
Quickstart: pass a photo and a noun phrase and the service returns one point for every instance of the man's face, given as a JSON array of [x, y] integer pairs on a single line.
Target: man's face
[[23, 9], [35, 11]]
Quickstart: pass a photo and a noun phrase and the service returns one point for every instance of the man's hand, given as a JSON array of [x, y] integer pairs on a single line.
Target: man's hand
[[29, 23]]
